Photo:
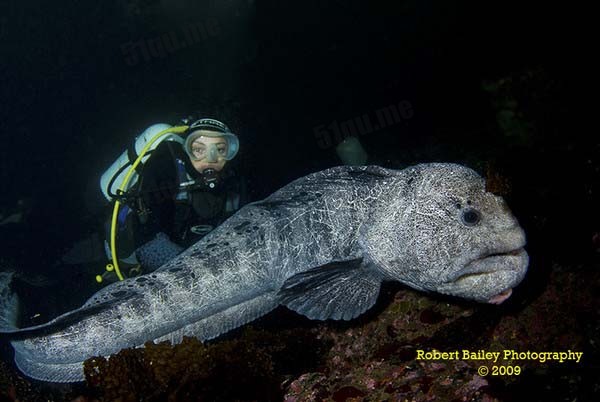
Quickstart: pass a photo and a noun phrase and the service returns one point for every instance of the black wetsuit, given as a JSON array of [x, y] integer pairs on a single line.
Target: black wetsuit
[[175, 198]]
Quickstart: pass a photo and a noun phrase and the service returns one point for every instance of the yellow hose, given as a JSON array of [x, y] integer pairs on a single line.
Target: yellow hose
[[113, 224]]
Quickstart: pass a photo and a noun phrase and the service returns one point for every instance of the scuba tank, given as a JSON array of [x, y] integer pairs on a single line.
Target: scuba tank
[[122, 175], [113, 177]]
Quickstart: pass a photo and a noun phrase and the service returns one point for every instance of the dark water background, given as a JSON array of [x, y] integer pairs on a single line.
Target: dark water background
[[73, 97]]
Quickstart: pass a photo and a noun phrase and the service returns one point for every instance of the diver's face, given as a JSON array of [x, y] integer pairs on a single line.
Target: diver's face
[[209, 153]]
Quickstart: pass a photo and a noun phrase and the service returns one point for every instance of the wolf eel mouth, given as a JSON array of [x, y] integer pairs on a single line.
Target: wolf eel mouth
[[490, 263], [489, 259]]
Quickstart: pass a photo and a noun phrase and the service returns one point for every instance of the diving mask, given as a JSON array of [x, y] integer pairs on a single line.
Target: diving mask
[[211, 140]]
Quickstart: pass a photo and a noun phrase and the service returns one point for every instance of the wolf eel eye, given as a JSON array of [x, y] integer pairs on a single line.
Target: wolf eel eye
[[471, 217]]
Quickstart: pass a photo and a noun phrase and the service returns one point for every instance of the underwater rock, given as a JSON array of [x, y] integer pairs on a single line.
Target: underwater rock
[[379, 357]]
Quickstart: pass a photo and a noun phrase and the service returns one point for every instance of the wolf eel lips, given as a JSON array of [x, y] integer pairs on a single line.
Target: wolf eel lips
[[496, 262], [505, 294]]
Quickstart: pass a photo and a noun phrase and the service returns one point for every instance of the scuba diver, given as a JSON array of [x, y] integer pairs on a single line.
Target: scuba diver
[[169, 190]]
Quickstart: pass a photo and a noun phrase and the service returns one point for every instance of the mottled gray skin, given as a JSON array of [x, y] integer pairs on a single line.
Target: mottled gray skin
[[157, 252], [321, 246]]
